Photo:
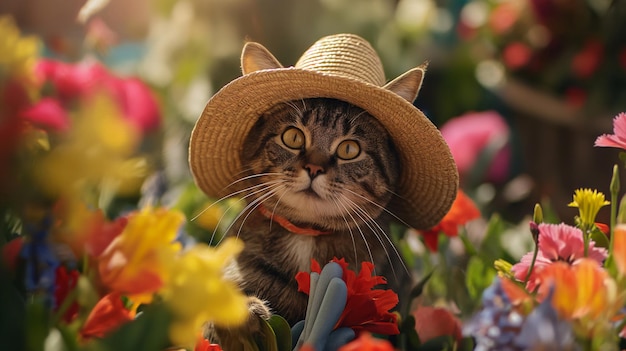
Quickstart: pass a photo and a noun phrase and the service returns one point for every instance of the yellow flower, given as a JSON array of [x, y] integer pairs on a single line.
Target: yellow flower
[[98, 152], [19, 54], [589, 203], [139, 261], [199, 292]]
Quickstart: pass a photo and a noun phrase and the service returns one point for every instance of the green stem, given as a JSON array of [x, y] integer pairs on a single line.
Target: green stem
[[586, 241], [532, 264]]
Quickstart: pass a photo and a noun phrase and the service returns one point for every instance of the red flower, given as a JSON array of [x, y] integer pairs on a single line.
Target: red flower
[[516, 55], [65, 283], [587, 61], [463, 210], [367, 309], [108, 314], [365, 342], [432, 322], [11, 252], [205, 345]]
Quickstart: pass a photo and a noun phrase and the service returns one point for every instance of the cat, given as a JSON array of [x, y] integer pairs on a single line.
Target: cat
[[325, 165]]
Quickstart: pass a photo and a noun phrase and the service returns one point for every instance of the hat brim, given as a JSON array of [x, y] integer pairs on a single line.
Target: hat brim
[[429, 179]]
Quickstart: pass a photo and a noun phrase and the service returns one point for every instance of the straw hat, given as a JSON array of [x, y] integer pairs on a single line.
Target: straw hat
[[343, 67]]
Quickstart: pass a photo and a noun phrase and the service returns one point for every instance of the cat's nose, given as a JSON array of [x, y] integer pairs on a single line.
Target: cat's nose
[[313, 169]]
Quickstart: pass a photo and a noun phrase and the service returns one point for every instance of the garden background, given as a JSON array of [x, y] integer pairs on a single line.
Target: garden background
[[521, 89]]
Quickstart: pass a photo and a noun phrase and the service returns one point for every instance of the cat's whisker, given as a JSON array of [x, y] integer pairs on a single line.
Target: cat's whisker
[[384, 234], [264, 187], [254, 204], [274, 209], [379, 206], [367, 219], [227, 196], [356, 256], [250, 177], [348, 211]]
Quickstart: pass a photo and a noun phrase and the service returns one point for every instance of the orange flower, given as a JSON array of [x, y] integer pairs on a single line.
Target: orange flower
[[108, 314], [582, 290], [138, 261], [619, 248], [463, 210], [367, 309]]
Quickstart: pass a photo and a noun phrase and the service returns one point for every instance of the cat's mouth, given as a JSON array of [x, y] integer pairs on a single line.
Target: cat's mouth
[[310, 192]]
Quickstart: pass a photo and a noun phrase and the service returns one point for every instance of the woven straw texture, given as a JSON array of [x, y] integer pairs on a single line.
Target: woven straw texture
[[344, 67]]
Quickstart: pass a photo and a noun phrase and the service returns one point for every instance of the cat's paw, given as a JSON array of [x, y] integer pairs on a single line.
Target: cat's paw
[[237, 338]]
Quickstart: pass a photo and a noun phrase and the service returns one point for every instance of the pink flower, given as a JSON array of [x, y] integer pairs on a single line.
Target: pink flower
[[433, 322], [618, 138], [557, 243], [82, 81], [47, 113], [469, 135]]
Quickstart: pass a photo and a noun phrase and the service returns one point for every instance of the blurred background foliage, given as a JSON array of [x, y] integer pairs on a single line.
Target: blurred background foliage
[[554, 70]]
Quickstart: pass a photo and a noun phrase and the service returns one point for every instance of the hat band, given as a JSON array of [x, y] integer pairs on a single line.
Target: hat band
[[285, 223]]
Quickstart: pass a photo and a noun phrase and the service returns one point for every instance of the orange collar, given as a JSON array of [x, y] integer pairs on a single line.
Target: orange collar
[[285, 223]]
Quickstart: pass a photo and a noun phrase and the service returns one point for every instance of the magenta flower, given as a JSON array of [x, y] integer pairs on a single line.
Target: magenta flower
[[47, 113], [618, 138], [470, 134], [81, 81], [557, 243]]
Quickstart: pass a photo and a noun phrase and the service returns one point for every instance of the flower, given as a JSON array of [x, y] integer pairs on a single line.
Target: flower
[[589, 203], [432, 322], [619, 248], [47, 113], [544, 330], [583, 293], [557, 242], [85, 80], [84, 230], [366, 342], [139, 260], [19, 53], [108, 314], [496, 324], [367, 309], [475, 135], [198, 292], [206, 345], [462, 211], [66, 282], [618, 138], [97, 151]]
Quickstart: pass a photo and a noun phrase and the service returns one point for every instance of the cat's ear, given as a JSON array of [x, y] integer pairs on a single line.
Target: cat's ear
[[409, 83], [255, 57]]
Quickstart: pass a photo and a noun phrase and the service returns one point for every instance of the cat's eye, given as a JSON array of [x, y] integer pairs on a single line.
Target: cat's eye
[[348, 150], [293, 138]]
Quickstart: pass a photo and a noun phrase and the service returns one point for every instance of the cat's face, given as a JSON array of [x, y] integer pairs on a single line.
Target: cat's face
[[320, 161]]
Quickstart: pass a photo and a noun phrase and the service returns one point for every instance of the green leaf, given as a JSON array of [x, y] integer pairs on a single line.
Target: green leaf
[[149, 331], [409, 338], [440, 343], [479, 276], [266, 338], [466, 344], [37, 324], [282, 331], [418, 289], [599, 238]]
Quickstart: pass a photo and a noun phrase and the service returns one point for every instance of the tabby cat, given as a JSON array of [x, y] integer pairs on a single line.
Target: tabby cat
[[329, 168]]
